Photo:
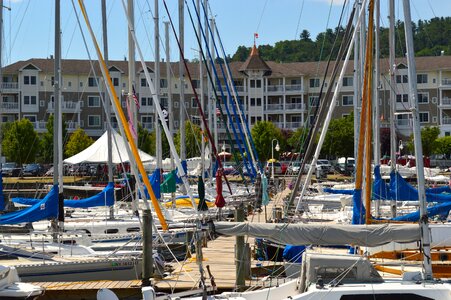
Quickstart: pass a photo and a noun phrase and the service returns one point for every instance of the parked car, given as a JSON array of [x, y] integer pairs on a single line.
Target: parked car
[[230, 169], [295, 166], [79, 170], [324, 164], [277, 168], [33, 170], [346, 168], [11, 169]]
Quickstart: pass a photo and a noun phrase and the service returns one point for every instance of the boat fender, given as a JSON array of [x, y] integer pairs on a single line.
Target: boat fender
[[148, 293], [320, 283]]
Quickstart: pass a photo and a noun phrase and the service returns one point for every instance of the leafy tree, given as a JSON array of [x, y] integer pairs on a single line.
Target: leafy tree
[[339, 139], [46, 154], [442, 145], [145, 140], [263, 134], [193, 139], [20, 142], [78, 141], [305, 36], [297, 139], [241, 53], [428, 136]]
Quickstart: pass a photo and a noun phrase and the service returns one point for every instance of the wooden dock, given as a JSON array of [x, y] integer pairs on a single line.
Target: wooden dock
[[219, 255]]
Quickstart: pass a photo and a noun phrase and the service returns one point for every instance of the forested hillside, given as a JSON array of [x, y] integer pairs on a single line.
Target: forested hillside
[[430, 38]]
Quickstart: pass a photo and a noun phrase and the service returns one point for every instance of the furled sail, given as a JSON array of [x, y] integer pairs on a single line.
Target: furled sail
[[104, 198], [44, 209], [313, 234]]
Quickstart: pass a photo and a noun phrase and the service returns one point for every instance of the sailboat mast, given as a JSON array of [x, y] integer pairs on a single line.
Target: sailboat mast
[[159, 148], [107, 103], [131, 63], [169, 83], [1, 80], [357, 85], [57, 120], [215, 116], [210, 107], [202, 98], [182, 79], [376, 120], [424, 227], [392, 69]]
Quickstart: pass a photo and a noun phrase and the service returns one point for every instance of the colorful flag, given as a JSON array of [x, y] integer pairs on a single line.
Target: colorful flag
[[256, 35], [218, 112], [135, 98]]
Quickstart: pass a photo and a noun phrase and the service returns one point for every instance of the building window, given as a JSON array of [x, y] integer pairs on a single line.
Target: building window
[[29, 100], [146, 101], [347, 100], [81, 83], [164, 102], [144, 82], [163, 83], [93, 101], [115, 81], [92, 81], [69, 83], [195, 83], [33, 80], [193, 102], [314, 82], [422, 78], [256, 83], [256, 102], [402, 79], [423, 98], [296, 81], [424, 117], [32, 118], [176, 104], [348, 81], [313, 100], [94, 121], [402, 98], [26, 80]]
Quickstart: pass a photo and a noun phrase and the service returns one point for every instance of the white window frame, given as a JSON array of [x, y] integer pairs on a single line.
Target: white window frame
[[94, 125], [93, 97], [424, 113], [423, 93], [347, 96], [32, 116]]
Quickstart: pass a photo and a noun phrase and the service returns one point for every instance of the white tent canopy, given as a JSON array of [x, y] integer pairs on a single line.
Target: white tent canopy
[[98, 152]]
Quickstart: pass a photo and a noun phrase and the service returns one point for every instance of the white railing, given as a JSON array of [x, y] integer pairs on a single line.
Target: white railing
[[446, 101], [403, 122], [66, 105], [293, 87], [299, 106], [277, 106], [39, 125], [148, 125], [293, 125], [446, 121], [71, 125], [10, 85], [446, 81], [275, 88], [10, 106]]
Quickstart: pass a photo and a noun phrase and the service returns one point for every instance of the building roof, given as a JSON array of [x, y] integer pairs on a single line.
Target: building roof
[[254, 62]]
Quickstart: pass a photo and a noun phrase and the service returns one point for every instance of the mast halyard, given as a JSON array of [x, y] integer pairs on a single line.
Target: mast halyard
[[392, 69]]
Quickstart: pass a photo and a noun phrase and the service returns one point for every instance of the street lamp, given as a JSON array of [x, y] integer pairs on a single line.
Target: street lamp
[[272, 155]]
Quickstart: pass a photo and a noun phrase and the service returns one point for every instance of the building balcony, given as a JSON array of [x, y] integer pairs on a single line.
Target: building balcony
[[294, 88], [148, 125], [40, 126], [275, 89], [295, 106], [403, 123], [276, 106], [66, 107], [11, 87], [446, 121], [446, 82], [114, 125], [72, 126], [445, 102], [10, 107]]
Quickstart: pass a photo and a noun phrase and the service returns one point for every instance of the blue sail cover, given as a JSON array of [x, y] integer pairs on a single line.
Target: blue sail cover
[[358, 211], [104, 198], [45, 209], [401, 190], [155, 182], [335, 191], [185, 168], [436, 210], [381, 190], [2, 198]]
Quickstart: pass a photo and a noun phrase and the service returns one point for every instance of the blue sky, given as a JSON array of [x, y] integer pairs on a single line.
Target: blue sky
[[28, 26]]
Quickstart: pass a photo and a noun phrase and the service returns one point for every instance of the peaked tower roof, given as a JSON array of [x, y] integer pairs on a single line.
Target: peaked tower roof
[[255, 63]]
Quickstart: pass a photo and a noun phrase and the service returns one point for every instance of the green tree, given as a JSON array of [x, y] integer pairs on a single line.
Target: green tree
[[428, 137], [263, 134], [442, 145], [20, 142], [78, 141], [193, 139], [46, 153], [339, 139], [297, 139], [145, 140]]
